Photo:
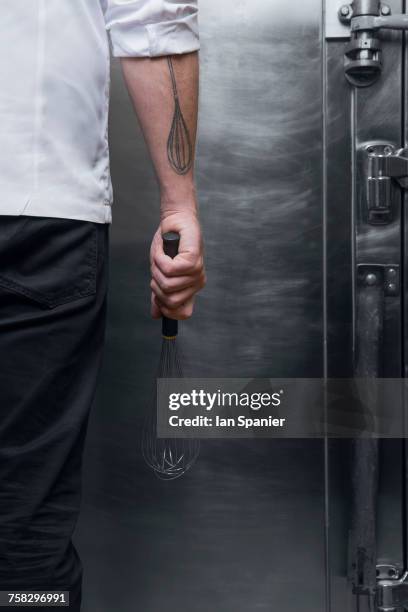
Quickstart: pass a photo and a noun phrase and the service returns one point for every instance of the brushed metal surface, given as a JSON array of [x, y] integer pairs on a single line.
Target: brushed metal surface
[[244, 530], [231, 535]]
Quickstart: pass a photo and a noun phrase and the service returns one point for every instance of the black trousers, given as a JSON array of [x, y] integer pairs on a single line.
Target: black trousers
[[53, 285]]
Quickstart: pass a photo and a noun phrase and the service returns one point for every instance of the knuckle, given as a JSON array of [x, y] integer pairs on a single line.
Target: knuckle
[[187, 312], [166, 285], [172, 301], [165, 265], [166, 268], [195, 254]]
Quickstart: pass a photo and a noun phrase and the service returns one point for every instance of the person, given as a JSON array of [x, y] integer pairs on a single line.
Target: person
[[54, 233]]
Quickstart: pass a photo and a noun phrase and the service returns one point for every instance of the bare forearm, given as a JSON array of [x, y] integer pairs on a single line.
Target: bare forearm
[[164, 92]]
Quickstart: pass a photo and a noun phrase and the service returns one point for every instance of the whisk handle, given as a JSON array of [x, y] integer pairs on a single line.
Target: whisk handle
[[171, 242]]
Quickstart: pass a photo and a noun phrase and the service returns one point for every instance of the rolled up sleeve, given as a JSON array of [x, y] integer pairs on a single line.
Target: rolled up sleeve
[[151, 28]]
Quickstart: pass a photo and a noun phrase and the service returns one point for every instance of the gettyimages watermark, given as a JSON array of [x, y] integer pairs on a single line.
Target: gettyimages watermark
[[281, 408]]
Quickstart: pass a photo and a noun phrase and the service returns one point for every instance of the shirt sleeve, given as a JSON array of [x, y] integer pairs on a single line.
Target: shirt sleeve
[[150, 28]]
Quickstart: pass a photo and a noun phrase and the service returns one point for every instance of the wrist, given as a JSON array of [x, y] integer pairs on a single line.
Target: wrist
[[179, 202]]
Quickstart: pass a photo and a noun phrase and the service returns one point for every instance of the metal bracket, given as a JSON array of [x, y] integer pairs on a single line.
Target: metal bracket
[[385, 164], [369, 275], [338, 19], [388, 571], [361, 21], [335, 28]]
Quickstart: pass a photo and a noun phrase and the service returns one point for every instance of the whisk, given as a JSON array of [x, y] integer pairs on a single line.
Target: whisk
[[168, 458]]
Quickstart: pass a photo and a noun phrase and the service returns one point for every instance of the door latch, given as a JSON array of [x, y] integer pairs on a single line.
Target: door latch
[[386, 166], [361, 20]]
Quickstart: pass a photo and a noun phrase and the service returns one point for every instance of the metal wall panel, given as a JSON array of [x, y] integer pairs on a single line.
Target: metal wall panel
[[244, 529]]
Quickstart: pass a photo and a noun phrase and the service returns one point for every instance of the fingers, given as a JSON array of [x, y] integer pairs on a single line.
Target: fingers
[[174, 296], [180, 313], [185, 264], [172, 301], [189, 260], [174, 284]]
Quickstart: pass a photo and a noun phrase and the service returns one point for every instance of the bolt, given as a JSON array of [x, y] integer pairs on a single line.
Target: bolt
[[391, 273], [385, 10], [371, 279], [392, 288], [345, 10]]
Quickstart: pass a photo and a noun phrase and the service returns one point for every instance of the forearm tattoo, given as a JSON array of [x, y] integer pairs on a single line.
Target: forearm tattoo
[[179, 147]]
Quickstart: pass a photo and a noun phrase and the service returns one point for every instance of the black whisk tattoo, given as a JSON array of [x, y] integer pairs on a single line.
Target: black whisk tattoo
[[179, 147]]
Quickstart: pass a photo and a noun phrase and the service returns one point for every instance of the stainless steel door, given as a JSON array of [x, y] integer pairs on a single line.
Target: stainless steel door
[[279, 141], [363, 252]]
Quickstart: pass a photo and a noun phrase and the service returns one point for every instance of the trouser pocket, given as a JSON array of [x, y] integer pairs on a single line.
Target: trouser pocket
[[48, 261]]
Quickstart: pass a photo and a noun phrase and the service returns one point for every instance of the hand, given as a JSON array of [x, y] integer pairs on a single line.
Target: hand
[[175, 282]]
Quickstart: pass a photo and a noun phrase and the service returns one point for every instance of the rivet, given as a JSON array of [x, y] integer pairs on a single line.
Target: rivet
[[345, 10], [371, 279], [385, 10]]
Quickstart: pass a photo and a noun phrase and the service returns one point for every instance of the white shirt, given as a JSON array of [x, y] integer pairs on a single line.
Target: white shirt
[[54, 95]]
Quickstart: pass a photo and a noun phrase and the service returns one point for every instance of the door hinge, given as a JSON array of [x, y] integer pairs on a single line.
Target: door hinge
[[361, 20], [392, 588]]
